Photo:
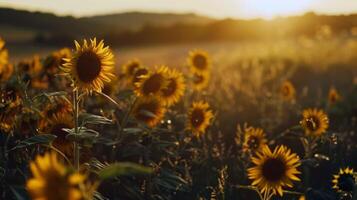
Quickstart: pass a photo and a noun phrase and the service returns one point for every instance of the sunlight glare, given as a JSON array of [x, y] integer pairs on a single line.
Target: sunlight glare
[[272, 8]]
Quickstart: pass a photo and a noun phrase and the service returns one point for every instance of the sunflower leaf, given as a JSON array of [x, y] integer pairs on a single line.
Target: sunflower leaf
[[87, 118], [123, 169], [147, 113], [37, 139]]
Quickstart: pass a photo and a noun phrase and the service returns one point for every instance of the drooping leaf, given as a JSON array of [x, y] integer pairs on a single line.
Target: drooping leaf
[[87, 118], [37, 139], [123, 169]]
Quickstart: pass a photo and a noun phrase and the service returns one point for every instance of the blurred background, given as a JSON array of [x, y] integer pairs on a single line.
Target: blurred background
[[153, 26]]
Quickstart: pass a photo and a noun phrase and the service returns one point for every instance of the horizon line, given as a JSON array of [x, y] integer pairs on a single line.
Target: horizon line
[[148, 11]]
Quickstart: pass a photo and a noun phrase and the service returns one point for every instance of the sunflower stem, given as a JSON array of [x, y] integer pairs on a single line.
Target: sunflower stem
[[76, 129]]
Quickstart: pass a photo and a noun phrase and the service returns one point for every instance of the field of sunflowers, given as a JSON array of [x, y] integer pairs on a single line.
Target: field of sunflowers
[[267, 120]]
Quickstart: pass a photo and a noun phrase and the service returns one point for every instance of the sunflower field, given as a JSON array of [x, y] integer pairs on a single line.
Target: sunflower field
[[262, 120]]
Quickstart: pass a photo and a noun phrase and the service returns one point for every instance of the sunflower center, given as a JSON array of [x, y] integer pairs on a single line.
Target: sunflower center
[[197, 117], [171, 88], [88, 66], [273, 169], [286, 91], [312, 123], [253, 142], [138, 73], [153, 84], [346, 182], [52, 190], [198, 79], [200, 62]]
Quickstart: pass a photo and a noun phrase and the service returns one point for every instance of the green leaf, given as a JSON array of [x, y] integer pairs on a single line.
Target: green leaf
[[123, 169], [49, 95], [133, 130], [83, 134], [87, 118], [37, 139]]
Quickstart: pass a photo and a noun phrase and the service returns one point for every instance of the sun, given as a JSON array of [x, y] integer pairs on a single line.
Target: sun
[[271, 8]]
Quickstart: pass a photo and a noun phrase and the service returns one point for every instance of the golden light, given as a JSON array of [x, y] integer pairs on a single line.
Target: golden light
[[271, 8]]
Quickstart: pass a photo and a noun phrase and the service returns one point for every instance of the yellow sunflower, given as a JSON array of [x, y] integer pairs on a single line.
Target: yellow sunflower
[[287, 91], [139, 73], [200, 80], [7, 121], [344, 181], [4, 55], [52, 181], [57, 106], [90, 66], [55, 126], [40, 82], [152, 83], [333, 96], [6, 71], [199, 117], [199, 61], [130, 67], [315, 122], [274, 170], [55, 60], [32, 67], [254, 139], [175, 88], [149, 110]]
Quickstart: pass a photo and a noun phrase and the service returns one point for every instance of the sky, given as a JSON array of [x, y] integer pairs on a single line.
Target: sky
[[246, 9]]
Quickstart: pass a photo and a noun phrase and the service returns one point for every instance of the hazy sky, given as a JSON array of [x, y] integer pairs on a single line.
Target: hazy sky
[[215, 8]]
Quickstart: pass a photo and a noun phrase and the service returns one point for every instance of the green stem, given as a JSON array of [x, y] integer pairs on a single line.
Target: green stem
[[76, 130]]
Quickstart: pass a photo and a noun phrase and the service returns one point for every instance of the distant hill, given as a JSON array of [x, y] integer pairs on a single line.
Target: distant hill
[[13, 21], [139, 28], [137, 20]]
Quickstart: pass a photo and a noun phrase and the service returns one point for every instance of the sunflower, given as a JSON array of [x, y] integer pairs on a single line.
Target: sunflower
[[4, 55], [274, 170], [254, 139], [6, 71], [31, 67], [139, 73], [10, 97], [287, 91], [40, 82], [130, 67], [152, 83], [175, 88], [52, 181], [344, 181], [55, 60], [149, 110], [315, 122], [199, 117], [57, 106], [55, 126], [200, 80], [199, 61], [90, 66], [7, 121], [333, 96]]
